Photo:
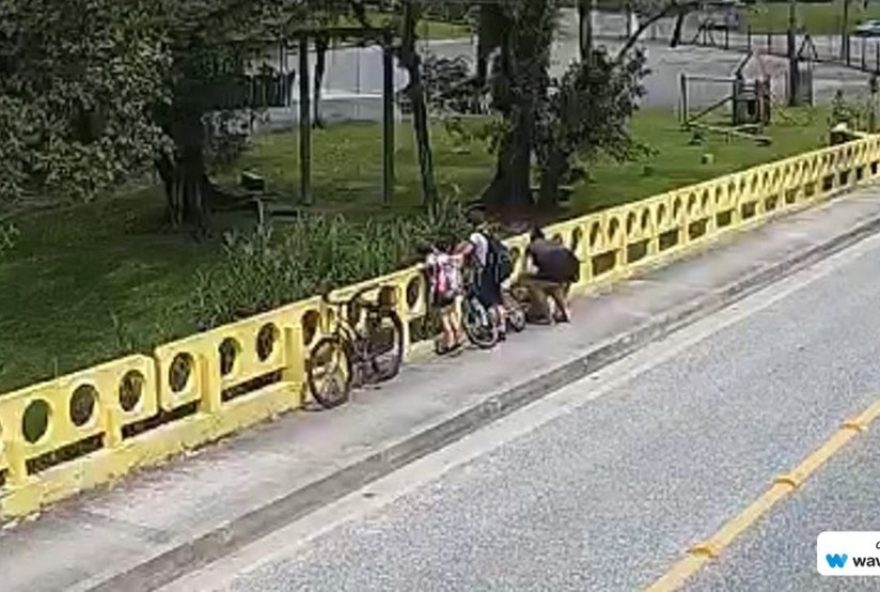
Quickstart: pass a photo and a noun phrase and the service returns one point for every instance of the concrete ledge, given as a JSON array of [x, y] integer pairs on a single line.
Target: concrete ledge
[[105, 465]]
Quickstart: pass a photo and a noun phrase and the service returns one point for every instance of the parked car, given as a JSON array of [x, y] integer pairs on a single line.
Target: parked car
[[868, 29]]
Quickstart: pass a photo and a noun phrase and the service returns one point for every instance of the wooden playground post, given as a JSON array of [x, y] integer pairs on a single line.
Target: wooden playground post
[[684, 98]]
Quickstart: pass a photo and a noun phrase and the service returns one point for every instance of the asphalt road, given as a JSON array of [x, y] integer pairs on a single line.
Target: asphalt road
[[605, 483], [779, 553]]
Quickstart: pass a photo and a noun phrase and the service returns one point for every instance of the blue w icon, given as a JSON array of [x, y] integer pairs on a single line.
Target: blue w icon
[[836, 560]]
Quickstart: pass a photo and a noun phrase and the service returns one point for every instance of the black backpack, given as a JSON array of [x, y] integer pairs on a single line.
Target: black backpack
[[572, 267], [498, 259]]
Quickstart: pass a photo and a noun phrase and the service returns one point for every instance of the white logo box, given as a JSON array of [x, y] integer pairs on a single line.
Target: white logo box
[[848, 553]]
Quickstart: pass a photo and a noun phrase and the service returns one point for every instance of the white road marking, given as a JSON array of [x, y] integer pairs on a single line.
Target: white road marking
[[285, 543]]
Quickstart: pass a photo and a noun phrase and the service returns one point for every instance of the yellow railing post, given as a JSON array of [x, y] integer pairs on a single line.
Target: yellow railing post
[[208, 368], [294, 371], [14, 448], [401, 307], [112, 428]]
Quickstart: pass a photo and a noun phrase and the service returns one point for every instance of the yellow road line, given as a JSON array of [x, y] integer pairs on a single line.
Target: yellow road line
[[701, 553]]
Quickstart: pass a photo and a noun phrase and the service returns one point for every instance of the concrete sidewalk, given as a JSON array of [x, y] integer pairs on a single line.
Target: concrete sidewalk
[[161, 523]]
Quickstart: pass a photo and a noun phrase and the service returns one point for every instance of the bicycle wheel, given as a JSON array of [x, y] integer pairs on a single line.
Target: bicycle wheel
[[386, 345], [477, 324], [515, 313], [329, 372]]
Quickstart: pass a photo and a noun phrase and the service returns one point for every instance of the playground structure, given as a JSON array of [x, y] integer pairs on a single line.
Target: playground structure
[[805, 57], [750, 101], [717, 17]]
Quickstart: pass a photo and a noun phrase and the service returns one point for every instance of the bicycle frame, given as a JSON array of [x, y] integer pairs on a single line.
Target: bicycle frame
[[349, 332]]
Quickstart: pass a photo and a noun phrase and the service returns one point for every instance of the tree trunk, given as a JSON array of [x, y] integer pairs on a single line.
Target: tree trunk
[[552, 174], [511, 185], [187, 190], [411, 61], [523, 78], [585, 28], [416, 94], [484, 50], [321, 45], [676, 32]]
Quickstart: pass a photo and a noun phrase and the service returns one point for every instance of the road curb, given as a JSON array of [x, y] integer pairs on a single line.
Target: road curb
[[189, 556]]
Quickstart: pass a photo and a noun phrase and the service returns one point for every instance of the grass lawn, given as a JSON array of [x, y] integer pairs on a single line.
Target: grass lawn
[[819, 19], [426, 28], [86, 283]]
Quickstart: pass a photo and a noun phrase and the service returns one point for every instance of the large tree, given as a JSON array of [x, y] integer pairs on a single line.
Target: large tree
[[523, 31], [547, 122], [78, 80], [210, 42]]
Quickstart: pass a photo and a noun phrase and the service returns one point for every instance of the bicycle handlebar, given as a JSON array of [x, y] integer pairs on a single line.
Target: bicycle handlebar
[[355, 297]]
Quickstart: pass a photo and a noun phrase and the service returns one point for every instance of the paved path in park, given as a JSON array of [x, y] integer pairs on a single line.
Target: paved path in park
[[600, 483]]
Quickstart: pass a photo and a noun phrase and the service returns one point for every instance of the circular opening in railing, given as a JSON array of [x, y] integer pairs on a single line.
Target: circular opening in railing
[[704, 200], [692, 204], [131, 390], [180, 372], [595, 233], [229, 351], [388, 296], [35, 421], [719, 195], [676, 208], [576, 237], [82, 405], [557, 238], [731, 189], [613, 227], [266, 339], [630, 223], [646, 219], [765, 180], [310, 322], [661, 214], [414, 289]]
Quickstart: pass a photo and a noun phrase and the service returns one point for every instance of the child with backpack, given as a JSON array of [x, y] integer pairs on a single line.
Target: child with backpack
[[445, 286], [493, 265]]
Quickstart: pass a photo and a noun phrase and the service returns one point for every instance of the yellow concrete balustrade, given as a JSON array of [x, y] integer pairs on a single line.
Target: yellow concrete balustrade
[[81, 430]]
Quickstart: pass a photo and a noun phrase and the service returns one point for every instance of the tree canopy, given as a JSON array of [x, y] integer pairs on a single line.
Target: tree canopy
[[94, 91], [78, 81]]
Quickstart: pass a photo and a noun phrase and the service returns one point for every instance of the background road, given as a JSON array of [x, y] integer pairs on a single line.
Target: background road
[[604, 484], [358, 71]]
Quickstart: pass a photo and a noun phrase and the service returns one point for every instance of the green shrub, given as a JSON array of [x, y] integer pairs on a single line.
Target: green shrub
[[276, 265]]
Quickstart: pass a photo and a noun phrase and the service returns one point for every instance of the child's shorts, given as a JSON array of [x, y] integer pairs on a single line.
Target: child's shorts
[[444, 302]]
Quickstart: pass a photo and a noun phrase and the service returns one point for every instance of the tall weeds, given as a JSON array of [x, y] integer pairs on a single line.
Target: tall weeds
[[275, 265]]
